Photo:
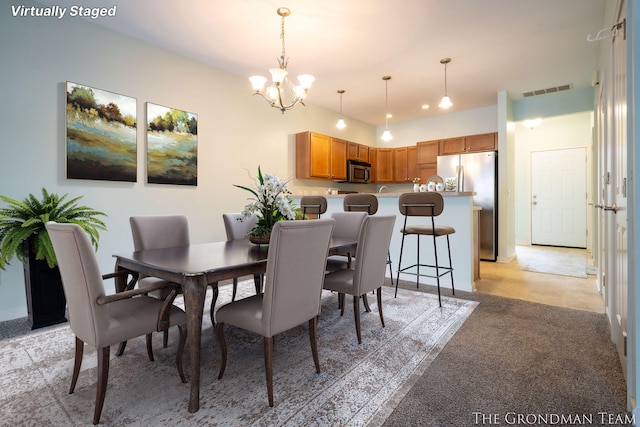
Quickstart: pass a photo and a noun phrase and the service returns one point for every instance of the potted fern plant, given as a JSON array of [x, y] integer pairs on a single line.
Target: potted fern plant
[[23, 236]]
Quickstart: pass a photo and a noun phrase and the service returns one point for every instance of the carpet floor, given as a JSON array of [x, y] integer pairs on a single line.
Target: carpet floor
[[520, 363], [359, 384]]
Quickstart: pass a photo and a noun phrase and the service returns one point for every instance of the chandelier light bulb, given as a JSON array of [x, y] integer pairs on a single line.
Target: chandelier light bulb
[[386, 136], [445, 102]]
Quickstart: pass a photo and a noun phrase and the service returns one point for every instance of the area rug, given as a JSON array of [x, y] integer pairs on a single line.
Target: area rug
[[359, 384], [551, 261]]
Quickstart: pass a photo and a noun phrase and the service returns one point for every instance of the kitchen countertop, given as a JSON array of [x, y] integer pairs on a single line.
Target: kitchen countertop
[[398, 193]]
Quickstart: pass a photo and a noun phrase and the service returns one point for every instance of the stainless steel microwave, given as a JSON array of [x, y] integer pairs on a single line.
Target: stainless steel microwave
[[358, 172]]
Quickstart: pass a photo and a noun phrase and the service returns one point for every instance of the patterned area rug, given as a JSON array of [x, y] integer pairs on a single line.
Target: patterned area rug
[[551, 261], [359, 384]]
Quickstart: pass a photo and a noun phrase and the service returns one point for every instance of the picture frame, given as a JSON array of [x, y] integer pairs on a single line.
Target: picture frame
[[451, 184], [172, 146], [101, 134]]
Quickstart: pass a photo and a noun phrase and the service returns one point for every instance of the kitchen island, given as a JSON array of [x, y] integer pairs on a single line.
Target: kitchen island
[[458, 213]]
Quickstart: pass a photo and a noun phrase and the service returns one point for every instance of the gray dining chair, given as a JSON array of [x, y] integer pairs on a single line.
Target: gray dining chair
[[364, 202], [157, 232], [104, 320], [236, 230], [367, 273], [347, 226], [292, 291]]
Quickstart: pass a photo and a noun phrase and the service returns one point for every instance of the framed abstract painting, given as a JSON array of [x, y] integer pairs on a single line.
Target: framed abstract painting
[[172, 146], [101, 134]]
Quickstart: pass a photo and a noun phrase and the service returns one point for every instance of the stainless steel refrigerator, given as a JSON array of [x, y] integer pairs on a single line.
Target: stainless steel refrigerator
[[478, 172]]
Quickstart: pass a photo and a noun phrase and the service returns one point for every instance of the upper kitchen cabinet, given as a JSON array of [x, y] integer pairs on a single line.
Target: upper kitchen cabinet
[[384, 165], [405, 161], [468, 144], [427, 159], [357, 152], [320, 156]]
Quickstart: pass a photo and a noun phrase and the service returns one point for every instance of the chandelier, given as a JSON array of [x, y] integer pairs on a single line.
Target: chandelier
[[282, 94]]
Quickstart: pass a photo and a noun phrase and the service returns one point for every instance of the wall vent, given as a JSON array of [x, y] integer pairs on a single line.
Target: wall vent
[[546, 91]]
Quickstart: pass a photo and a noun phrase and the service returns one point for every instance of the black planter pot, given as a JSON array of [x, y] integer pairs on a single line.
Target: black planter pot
[[46, 303]]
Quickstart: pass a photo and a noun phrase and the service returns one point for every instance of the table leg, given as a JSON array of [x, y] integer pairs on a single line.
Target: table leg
[[257, 281], [194, 289]]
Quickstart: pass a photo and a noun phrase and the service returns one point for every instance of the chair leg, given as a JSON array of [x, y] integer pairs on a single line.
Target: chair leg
[[121, 348], [214, 286], [356, 315], [341, 303], [453, 290], [77, 363], [379, 294], [418, 261], [103, 377], [399, 264], [223, 349], [313, 337], [235, 289], [268, 366], [366, 303], [435, 253], [150, 347], [165, 338], [183, 340], [390, 267]]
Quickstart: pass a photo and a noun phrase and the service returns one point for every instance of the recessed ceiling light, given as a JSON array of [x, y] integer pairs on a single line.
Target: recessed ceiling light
[[425, 106]]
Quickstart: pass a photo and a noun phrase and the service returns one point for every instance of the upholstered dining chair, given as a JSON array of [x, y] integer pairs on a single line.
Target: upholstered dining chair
[[429, 205], [313, 205], [292, 290], [367, 273], [104, 320], [236, 230], [348, 226], [364, 202], [157, 232]]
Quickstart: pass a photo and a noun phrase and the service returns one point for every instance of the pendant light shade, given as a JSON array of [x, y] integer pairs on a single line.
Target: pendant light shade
[[386, 135], [341, 124], [446, 101]]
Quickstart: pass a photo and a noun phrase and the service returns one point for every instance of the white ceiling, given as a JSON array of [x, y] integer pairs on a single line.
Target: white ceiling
[[495, 45]]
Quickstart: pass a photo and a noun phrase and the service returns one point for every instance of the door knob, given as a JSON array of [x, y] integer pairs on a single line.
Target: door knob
[[613, 208]]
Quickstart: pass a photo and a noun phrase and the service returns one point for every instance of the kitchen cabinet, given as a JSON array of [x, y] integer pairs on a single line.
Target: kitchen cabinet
[[468, 144], [384, 165], [320, 156], [427, 159], [357, 152], [373, 162], [405, 162]]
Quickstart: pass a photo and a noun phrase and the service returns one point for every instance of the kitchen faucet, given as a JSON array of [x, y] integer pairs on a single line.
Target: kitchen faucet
[[383, 187]]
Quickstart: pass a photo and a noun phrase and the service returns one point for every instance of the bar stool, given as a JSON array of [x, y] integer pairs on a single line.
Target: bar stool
[[430, 205], [313, 205], [365, 203]]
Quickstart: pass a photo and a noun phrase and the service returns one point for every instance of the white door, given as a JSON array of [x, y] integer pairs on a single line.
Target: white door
[[559, 197], [615, 205]]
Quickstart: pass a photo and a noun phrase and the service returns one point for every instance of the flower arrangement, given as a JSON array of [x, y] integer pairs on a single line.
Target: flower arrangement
[[272, 203], [416, 180]]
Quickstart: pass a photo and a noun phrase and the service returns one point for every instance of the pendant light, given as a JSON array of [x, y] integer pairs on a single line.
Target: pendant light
[[386, 135], [445, 102], [341, 124]]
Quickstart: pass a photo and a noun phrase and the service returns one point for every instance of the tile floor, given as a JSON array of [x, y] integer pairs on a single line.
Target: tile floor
[[510, 281]]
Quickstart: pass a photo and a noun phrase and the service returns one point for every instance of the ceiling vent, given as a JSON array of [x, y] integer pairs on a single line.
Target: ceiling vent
[[546, 91]]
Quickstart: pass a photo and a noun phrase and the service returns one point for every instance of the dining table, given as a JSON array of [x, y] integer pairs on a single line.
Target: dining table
[[197, 266]]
